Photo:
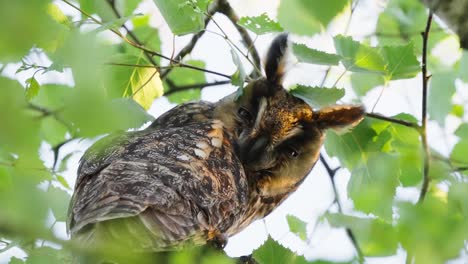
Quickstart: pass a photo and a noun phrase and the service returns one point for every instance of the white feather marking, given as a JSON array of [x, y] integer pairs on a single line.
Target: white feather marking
[[183, 157], [216, 142], [261, 110], [200, 153], [202, 145]]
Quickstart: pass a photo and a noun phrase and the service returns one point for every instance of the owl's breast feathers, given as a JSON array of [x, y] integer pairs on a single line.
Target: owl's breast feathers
[[163, 187]]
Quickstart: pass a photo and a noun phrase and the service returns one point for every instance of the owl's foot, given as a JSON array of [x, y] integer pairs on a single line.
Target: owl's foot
[[217, 240]]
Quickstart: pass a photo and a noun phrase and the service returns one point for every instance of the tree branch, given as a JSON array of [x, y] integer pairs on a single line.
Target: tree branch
[[423, 130], [393, 120], [331, 173], [141, 47], [132, 35], [226, 9], [189, 47], [425, 79], [175, 88]]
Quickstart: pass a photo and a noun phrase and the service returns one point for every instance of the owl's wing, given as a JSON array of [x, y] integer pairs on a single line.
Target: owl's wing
[[176, 179]]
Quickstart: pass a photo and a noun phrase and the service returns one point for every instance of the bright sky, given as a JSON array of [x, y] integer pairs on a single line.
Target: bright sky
[[315, 195]]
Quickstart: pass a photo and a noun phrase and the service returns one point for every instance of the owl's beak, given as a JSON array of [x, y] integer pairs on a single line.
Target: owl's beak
[[252, 148]]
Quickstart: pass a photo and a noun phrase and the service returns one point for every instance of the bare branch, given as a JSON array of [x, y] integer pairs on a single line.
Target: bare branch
[[331, 173], [393, 120], [175, 88], [425, 79], [148, 51], [226, 9], [189, 47]]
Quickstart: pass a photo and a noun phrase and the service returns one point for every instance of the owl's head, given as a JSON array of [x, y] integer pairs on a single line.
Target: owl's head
[[278, 135]]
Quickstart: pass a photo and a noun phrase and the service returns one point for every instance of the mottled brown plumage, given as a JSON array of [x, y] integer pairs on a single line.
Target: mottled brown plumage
[[202, 171]]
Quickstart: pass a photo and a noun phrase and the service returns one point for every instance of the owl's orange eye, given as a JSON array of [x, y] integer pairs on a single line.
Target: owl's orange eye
[[245, 114]]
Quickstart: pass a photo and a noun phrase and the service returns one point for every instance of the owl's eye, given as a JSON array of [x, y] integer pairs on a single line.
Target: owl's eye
[[245, 114], [292, 152]]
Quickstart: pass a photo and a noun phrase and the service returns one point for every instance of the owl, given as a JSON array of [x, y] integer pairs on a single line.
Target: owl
[[202, 172]]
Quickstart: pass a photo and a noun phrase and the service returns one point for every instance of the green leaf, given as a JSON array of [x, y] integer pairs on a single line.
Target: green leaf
[[462, 131], [39, 29], [463, 68], [32, 88], [405, 143], [401, 62], [458, 110], [357, 57], [431, 231], [48, 255], [63, 182], [182, 16], [364, 82], [459, 153], [53, 131], [375, 237], [402, 22], [145, 86], [15, 260], [441, 90], [183, 77], [308, 55], [305, 17], [316, 96], [148, 36], [56, 13], [272, 252], [130, 6], [351, 148], [238, 78], [297, 226], [18, 127], [260, 25], [376, 176], [58, 202], [458, 204]]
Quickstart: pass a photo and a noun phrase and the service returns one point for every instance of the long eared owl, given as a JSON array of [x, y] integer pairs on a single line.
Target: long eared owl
[[202, 171]]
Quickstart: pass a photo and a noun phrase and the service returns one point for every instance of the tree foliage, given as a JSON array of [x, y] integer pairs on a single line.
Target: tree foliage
[[111, 53]]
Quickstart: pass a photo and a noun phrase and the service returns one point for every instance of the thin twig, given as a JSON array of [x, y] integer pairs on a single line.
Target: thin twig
[[423, 130], [191, 45], [129, 32], [460, 168], [150, 52], [425, 80], [393, 120], [180, 88], [226, 9], [138, 65], [56, 151], [331, 173]]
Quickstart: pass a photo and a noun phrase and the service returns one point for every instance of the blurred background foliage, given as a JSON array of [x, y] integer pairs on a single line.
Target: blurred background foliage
[[118, 70]]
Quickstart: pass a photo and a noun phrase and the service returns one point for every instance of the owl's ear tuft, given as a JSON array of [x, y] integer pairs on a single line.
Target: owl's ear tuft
[[275, 60], [339, 117]]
